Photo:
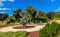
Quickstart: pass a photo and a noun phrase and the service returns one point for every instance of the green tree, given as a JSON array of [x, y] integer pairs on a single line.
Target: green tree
[[3, 17], [16, 14], [11, 19], [31, 12], [50, 14], [41, 14], [57, 15]]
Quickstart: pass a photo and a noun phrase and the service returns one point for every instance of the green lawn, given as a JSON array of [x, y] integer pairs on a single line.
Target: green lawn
[[13, 34]]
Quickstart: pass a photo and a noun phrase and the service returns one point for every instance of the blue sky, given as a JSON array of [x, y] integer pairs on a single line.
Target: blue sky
[[8, 6]]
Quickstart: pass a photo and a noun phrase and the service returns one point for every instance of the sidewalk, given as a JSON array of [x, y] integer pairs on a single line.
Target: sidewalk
[[6, 29]]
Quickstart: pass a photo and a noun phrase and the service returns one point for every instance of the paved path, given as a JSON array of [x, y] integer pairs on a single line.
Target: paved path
[[33, 34], [37, 28]]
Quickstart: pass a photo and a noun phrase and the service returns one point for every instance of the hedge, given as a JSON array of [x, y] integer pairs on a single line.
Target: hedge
[[50, 30], [37, 20]]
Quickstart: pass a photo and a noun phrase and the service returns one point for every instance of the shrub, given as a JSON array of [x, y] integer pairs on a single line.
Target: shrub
[[50, 30], [13, 34], [37, 20]]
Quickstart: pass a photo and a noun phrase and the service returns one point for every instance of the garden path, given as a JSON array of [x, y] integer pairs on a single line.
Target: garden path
[[6, 29]]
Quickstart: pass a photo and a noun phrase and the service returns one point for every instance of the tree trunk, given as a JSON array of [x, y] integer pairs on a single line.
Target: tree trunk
[[30, 18], [24, 25]]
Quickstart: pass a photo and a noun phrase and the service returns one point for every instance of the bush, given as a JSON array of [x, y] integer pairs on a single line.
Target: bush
[[7, 25], [13, 34], [37, 20], [4, 25], [11, 20], [50, 30]]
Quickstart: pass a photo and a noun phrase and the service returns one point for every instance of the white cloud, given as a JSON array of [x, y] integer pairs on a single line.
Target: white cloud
[[7, 0], [2, 12], [1, 1], [4, 8], [11, 0], [58, 9], [53, 0]]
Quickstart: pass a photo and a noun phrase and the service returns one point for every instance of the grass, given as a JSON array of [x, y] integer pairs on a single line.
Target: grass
[[13, 34], [7, 25]]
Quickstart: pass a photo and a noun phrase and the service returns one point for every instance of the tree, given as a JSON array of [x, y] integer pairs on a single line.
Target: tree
[[41, 14], [31, 12], [24, 19], [3, 17], [57, 15], [16, 14], [11, 19], [19, 15], [50, 14]]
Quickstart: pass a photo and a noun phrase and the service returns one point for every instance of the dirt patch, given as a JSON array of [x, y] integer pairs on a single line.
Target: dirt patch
[[21, 27], [33, 34]]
